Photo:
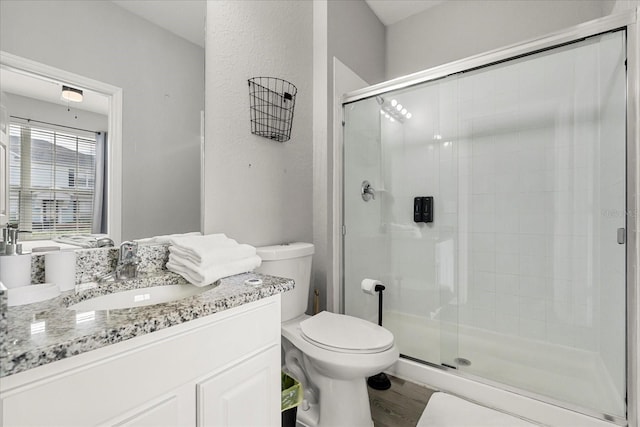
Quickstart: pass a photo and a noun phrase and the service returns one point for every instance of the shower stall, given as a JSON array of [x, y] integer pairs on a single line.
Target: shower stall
[[492, 198]]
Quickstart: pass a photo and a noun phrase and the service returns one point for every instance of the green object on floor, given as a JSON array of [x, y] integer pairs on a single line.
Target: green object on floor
[[291, 392]]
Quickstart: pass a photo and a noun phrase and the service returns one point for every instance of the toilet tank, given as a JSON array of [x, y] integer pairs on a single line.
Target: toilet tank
[[293, 261]]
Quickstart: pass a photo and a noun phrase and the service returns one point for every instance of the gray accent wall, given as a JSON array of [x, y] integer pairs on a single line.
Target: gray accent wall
[[356, 37], [458, 29], [162, 77]]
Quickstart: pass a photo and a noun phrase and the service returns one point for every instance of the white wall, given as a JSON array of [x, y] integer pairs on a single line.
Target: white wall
[[256, 190], [162, 77], [458, 29]]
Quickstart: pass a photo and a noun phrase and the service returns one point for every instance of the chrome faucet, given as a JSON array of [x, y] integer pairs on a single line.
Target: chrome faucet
[[9, 244], [127, 266], [128, 261]]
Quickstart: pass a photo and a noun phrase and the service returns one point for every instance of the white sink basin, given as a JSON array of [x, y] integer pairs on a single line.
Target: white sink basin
[[140, 297], [32, 293]]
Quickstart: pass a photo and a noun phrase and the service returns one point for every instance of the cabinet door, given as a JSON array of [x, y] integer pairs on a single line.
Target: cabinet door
[[163, 414], [176, 408], [246, 394]]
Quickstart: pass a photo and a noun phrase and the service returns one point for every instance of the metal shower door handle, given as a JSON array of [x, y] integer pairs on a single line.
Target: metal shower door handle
[[367, 191]]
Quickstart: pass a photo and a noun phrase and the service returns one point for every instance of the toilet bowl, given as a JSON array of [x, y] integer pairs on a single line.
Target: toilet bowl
[[330, 354], [342, 347], [333, 369]]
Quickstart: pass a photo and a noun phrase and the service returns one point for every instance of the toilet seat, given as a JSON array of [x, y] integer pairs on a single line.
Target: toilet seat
[[333, 362], [346, 334]]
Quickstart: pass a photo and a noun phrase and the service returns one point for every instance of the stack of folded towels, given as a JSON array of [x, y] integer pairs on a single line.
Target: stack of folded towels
[[204, 259], [165, 238]]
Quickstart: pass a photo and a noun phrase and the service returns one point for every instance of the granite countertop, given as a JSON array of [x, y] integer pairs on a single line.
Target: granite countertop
[[36, 334]]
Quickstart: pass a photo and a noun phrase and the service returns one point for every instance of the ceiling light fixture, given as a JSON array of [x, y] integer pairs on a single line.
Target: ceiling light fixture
[[71, 94], [393, 111]]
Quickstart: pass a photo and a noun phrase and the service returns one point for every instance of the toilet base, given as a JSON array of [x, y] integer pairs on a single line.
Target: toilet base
[[334, 383], [337, 412], [341, 403]]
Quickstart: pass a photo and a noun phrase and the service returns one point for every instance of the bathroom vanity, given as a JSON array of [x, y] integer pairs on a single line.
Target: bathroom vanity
[[208, 359]]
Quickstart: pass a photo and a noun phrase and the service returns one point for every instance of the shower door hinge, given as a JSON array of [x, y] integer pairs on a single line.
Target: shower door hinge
[[343, 123], [344, 230], [622, 236]]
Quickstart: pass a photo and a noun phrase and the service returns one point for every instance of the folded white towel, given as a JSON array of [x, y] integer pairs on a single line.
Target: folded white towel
[[208, 275], [217, 255], [82, 240], [199, 246], [164, 239]]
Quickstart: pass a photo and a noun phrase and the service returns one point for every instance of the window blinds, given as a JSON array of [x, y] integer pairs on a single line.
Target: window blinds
[[52, 175]]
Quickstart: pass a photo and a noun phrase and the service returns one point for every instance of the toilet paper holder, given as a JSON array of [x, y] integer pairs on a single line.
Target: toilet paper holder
[[379, 381]]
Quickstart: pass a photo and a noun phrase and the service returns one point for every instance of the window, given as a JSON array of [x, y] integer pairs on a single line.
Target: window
[[51, 180]]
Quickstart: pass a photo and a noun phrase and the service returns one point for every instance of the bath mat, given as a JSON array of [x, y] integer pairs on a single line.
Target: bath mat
[[445, 410]]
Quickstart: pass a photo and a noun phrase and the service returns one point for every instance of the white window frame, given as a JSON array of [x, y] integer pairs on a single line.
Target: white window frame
[[56, 132], [114, 127]]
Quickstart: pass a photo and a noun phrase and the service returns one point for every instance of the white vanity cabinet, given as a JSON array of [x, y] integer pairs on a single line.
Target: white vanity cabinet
[[220, 370]]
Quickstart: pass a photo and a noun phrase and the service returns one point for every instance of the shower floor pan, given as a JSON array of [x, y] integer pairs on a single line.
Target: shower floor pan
[[575, 376]]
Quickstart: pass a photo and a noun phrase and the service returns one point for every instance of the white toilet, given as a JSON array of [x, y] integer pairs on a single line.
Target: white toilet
[[330, 354]]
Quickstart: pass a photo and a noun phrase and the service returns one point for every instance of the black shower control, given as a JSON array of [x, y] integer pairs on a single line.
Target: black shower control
[[427, 209], [423, 209], [417, 209]]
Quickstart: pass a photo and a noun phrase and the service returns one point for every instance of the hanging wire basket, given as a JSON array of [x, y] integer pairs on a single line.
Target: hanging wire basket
[[271, 102]]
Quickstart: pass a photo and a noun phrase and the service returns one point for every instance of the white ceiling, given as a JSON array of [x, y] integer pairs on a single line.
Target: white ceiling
[[392, 11], [48, 90], [184, 18]]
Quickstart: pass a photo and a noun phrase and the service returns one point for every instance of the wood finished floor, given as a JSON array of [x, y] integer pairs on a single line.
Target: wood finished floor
[[400, 406]]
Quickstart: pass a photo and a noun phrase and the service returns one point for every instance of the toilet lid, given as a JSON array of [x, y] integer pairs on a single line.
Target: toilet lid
[[338, 332]]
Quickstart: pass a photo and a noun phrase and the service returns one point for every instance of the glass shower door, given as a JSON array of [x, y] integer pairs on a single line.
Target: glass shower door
[[520, 277], [542, 199], [394, 142], [365, 249]]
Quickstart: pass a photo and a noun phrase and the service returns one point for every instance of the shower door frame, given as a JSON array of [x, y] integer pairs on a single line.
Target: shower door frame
[[628, 21]]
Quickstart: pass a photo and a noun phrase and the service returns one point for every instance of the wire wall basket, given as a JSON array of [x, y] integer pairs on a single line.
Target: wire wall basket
[[271, 105]]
